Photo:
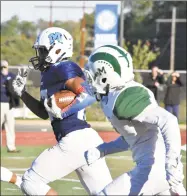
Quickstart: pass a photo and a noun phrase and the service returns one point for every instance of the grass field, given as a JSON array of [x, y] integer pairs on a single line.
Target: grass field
[[70, 185]]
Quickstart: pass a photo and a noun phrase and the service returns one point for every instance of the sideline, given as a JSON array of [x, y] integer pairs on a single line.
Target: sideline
[[95, 124]]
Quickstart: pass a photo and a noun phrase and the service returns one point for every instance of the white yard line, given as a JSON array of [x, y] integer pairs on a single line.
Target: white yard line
[[127, 158], [24, 169], [108, 157], [18, 169], [69, 180], [119, 157], [11, 189], [77, 188], [18, 157], [63, 179]]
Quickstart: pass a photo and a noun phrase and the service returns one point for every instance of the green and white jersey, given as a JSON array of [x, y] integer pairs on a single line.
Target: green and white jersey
[[125, 105]]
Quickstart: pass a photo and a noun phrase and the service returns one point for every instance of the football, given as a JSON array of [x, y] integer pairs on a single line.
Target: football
[[64, 98]]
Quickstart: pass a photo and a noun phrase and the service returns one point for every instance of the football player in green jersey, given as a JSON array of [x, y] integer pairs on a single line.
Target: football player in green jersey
[[149, 131]]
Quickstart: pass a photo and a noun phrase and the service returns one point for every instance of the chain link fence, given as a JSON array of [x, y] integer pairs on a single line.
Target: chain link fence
[[94, 112]]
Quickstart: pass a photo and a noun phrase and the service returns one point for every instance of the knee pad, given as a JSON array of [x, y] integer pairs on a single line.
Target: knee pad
[[34, 184]]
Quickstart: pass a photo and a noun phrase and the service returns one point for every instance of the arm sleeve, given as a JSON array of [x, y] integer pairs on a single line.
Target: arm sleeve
[[82, 100], [112, 147], [34, 105], [168, 126]]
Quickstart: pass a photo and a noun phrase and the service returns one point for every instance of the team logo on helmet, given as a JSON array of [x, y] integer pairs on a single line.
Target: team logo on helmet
[[55, 36]]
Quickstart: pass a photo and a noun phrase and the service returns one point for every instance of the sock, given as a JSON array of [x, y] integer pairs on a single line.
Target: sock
[[18, 181]]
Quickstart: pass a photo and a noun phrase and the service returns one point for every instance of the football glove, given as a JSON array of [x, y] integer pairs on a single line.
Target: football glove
[[51, 107], [19, 82], [92, 155], [178, 190], [174, 172]]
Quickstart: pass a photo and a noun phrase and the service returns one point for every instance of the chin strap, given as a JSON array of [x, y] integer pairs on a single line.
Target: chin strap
[[99, 96]]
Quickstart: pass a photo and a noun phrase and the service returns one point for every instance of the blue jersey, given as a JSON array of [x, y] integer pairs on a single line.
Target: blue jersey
[[53, 80]]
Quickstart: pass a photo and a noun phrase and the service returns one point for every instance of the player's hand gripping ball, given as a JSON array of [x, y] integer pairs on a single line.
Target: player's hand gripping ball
[[63, 98], [57, 102]]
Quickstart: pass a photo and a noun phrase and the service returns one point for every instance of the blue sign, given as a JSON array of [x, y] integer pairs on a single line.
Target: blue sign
[[106, 24]]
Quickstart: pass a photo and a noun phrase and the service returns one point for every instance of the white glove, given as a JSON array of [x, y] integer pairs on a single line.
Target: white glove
[[52, 108], [92, 155], [19, 82], [174, 172], [178, 190]]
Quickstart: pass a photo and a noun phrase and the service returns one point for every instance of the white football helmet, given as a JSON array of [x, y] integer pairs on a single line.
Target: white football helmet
[[52, 45], [108, 67]]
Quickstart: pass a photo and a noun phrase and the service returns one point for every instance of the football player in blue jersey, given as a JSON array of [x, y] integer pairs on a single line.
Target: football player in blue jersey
[[54, 47]]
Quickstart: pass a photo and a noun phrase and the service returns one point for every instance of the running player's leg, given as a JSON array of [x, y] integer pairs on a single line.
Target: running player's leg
[[136, 182], [8, 176], [50, 165], [34, 184], [58, 161], [95, 176], [148, 177]]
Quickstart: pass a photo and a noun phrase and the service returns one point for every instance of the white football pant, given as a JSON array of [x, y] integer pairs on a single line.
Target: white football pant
[[62, 159]]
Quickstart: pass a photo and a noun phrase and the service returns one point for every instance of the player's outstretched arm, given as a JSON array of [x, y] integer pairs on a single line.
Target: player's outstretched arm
[[168, 125], [82, 100], [118, 145], [33, 104]]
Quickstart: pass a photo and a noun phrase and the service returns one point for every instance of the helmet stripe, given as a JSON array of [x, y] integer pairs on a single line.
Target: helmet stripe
[[120, 51], [109, 58]]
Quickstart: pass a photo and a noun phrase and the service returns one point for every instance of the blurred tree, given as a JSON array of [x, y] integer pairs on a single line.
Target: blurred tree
[[89, 43], [142, 56], [17, 49], [140, 22], [140, 10], [163, 9], [28, 29], [10, 27], [42, 24], [90, 18]]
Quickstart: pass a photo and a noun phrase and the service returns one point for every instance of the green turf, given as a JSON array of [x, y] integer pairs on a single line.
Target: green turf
[[25, 158]]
